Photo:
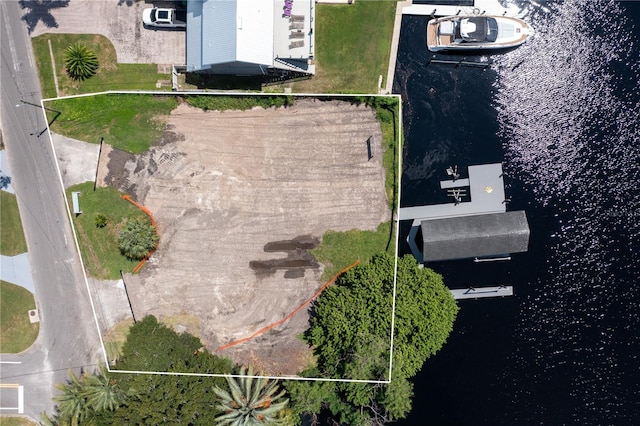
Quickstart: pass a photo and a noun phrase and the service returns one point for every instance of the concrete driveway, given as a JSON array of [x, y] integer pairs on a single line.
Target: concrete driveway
[[118, 20]]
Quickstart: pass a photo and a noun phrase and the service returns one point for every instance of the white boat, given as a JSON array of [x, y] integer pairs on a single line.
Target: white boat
[[476, 32]]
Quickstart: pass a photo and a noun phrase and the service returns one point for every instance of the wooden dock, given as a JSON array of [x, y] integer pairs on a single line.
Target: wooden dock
[[486, 190], [482, 292]]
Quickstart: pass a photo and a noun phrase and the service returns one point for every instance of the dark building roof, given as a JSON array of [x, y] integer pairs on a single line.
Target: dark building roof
[[481, 235]]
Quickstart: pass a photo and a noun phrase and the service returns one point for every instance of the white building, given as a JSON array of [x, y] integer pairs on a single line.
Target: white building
[[250, 37]]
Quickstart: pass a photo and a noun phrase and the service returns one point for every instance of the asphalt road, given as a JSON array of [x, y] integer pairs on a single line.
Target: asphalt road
[[68, 333]]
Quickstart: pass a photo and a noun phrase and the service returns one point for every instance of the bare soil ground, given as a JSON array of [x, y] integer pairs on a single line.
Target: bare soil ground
[[240, 198]]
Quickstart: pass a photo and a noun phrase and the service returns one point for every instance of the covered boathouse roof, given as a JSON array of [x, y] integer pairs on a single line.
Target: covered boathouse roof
[[482, 235]]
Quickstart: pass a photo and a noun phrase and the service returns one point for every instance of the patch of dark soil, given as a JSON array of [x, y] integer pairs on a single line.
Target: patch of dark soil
[[298, 258], [168, 136], [117, 175], [304, 242]]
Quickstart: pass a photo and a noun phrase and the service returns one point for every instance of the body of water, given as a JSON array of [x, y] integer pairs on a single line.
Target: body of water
[[563, 114]]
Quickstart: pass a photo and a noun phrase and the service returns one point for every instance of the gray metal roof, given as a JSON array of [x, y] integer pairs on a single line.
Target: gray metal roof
[[229, 31], [481, 235]]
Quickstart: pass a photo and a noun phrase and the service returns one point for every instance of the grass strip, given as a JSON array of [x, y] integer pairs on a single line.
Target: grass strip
[[238, 102], [12, 240]]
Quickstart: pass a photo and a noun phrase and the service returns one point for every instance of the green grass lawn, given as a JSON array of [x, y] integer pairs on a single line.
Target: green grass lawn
[[353, 43], [131, 123], [110, 76], [99, 246], [340, 249], [16, 332], [12, 240]]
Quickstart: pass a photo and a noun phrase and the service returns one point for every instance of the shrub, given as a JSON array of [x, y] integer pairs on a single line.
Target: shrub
[[81, 62], [137, 239], [101, 220]]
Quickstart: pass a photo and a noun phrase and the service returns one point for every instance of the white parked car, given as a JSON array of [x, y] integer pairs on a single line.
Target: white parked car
[[164, 18]]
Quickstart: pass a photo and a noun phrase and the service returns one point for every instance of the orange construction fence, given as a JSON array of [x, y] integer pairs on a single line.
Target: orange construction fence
[[153, 222], [295, 311]]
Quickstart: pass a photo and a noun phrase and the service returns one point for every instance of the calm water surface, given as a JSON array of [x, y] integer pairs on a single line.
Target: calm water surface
[[563, 114]]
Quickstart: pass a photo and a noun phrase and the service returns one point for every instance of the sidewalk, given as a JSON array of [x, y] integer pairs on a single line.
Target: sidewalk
[[17, 270]]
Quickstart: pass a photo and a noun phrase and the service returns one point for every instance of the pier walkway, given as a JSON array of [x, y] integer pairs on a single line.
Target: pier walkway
[[479, 7], [482, 292]]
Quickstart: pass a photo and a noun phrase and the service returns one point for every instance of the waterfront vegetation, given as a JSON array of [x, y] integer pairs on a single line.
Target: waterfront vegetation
[[353, 43], [17, 333], [129, 122], [99, 245], [12, 240], [351, 334], [109, 76]]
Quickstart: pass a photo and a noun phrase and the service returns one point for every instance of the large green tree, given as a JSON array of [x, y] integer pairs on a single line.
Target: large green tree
[[351, 330], [162, 399]]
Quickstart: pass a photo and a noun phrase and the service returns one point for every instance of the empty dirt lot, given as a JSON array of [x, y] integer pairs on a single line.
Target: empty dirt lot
[[239, 198]]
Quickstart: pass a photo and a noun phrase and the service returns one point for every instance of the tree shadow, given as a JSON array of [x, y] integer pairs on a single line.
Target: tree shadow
[[40, 11]]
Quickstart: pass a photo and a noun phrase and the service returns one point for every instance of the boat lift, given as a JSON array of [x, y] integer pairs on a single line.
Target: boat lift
[[460, 62]]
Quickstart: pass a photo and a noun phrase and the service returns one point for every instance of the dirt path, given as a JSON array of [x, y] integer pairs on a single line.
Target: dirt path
[[239, 201]]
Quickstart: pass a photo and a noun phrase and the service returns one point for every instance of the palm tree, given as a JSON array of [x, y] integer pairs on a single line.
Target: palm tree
[[72, 405], [80, 62], [101, 392], [137, 239], [252, 401]]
